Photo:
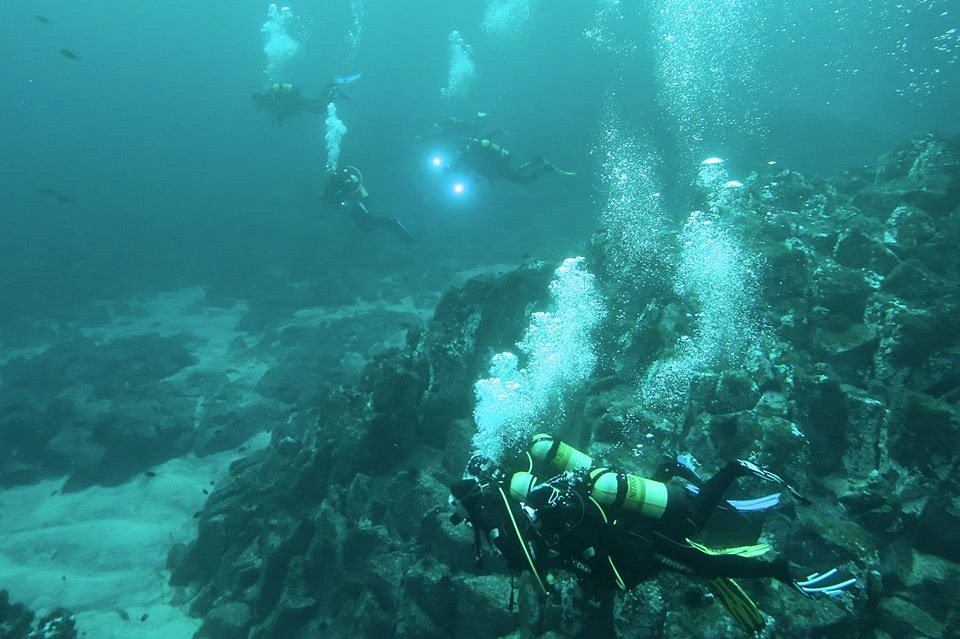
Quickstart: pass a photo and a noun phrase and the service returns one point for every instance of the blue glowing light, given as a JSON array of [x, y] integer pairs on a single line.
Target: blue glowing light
[[438, 161], [460, 188]]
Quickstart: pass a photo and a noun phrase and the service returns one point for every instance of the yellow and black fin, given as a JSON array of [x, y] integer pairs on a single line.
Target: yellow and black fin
[[738, 603]]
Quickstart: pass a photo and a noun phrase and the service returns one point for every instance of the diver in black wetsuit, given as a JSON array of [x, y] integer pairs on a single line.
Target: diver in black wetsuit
[[614, 530], [284, 100], [493, 161], [476, 151], [345, 189]]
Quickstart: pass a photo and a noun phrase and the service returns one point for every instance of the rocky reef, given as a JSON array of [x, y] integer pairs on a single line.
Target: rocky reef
[[18, 622], [137, 387], [340, 527]]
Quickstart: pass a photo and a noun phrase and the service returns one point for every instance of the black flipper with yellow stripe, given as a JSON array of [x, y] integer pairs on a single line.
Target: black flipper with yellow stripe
[[738, 604]]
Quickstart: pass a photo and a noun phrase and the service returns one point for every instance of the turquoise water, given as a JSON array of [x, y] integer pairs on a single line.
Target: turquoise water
[[141, 164]]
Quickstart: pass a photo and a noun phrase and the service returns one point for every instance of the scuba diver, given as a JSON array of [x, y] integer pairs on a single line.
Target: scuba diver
[[484, 156], [477, 152], [613, 530], [346, 190], [454, 130], [283, 99]]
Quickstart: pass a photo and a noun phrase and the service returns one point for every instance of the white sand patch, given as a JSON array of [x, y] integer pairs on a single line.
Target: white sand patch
[[321, 314], [102, 550]]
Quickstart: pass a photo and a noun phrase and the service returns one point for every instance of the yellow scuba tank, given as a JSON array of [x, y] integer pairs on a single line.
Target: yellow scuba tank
[[620, 491], [520, 484], [547, 449], [494, 148]]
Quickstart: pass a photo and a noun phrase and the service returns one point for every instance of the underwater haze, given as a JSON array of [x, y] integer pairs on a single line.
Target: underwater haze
[[270, 275], [177, 179]]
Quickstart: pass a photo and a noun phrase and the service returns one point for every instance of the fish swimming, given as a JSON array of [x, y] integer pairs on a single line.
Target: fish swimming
[[42, 19], [67, 53], [59, 196]]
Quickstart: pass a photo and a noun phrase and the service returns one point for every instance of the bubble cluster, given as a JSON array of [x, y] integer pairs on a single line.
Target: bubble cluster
[[355, 34], [506, 17], [708, 56], [336, 129], [718, 277], [462, 68], [632, 214], [715, 276], [558, 348], [278, 45], [607, 33], [910, 48]]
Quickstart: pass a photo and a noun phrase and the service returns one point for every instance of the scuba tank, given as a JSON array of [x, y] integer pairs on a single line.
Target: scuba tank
[[630, 493], [616, 492], [520, 484], [494, 148], [558, 455]]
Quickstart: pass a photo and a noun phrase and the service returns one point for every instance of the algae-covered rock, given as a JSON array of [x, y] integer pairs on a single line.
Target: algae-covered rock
[[907, 229], [484, 316], [906, 619], [924, 432], [481, 605], [848, 388], [226, 621], [16, 621]]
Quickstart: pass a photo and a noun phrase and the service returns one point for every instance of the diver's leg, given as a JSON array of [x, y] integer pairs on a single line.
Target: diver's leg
[[361, 216], [683, 558], [392, 224], [401, 230], [524, 174], [711, 493]]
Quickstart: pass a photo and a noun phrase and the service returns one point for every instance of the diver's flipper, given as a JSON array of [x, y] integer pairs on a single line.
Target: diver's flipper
[[756, 550], [553, 168], [766, 502], [749, 468], [684, 466], [738, 604], [346, 78], [753, 505], [401, 230], [830, 583]]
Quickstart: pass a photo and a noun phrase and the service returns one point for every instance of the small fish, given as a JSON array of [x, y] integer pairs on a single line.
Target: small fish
[[42, 19], [59, 196], [150, 473], [144, 617], [70, 55]]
